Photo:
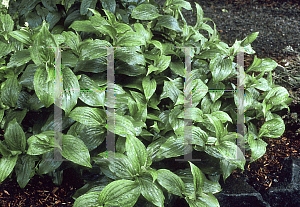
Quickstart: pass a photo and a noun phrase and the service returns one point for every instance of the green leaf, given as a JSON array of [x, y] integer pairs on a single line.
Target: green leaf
[[7, 165], [182, 3], [52, 18], [40, 144], [227, 167], [151, 191], [171, 182], [44, 90], [22, 35], [26, 6], [85, 4], [149, 87], [199, 15], [223, 116], [94, 49], [50, 5], [6, 24], [170, 91], [88, 116], [5, 48], [71, 90], [218, 90], [273, 128], [249, 39], [163, 63], [174, 147], [198, 178], [145, 12], [84, 26], [139, 28], [48, 163], [203, 200], [220, 68], [91, 93], [122, 127], [219, 129], [109, 5], [120, 193], [262, 65], [88, 199], [169, 22], [257, 146], [68, 4], [136, 150], [15, 136], [231, 152], [178, 68], [19, 58], [10, 91], [199, 137], [25, 169], [72, 40], [74, 149], [130, 39]]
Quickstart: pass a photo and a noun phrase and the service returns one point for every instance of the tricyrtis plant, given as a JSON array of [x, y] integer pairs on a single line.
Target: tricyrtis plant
[[149, 66]]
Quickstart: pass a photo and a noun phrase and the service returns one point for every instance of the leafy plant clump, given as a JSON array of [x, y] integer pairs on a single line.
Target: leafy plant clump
[[150, 73]]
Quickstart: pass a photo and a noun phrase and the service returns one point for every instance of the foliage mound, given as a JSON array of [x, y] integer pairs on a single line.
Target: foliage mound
[[151, 84]]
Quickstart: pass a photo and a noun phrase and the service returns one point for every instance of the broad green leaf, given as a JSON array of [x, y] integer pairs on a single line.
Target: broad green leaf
[[227, 168], [196, 114], [198, 136], [130, 39], [136, 150], [182, 3], [74, 149], [5, 48], [151, 191], [72, 40], [6, 25], [122, 127], [262, 65], [10, 91], [145, 12], [91, 93], [91, 136], [71, 90], [48, 163], [178, 68], [27, 6], [15, 136], [169, 22], [149, 87], [7, 165], [19, 58], [216, 90], [219, 129], [198, 178], [220, 68], [171, 182], [50, 5], [94, 49], [84, 26], [174, 147], [139, 28], [52, 18], [40, 144], [163, 63], [88, 116], [249, 39], [204, 200], [273, 128], [94, 66], [120, 193], [19, 115], [22, 35], [25, 169], [68, 4], [170, 91], [130, 55], [44, 90], [85, 4], [121, 28], [231, 152], [109, 5], [223, 116], [88, 199], [258, 147], [68, 59]]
